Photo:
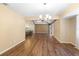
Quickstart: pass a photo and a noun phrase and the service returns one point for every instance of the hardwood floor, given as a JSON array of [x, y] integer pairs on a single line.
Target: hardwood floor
[[42, 45]]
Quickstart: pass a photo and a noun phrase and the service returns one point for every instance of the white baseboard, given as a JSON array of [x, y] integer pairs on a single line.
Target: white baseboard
[[69, 43], [76, 47], [10, 47], [72, 44], [65, 42]]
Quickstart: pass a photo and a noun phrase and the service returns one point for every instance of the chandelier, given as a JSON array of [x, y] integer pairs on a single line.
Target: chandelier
[[45, 17]]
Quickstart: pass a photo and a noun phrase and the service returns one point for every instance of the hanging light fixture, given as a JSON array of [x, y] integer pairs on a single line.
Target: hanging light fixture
[[50, 17], [40, 17], [46, 17]]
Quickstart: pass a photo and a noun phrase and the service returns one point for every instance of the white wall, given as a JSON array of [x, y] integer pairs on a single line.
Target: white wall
[[11, 28]]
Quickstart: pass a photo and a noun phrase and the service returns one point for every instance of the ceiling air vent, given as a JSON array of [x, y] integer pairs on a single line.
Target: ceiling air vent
[[5, 4]]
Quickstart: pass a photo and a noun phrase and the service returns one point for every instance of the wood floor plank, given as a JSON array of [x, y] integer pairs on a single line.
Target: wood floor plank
[[42, 45], [51, 50], [45, 47]]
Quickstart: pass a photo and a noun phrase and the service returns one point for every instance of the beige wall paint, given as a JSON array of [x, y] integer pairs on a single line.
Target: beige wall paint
[[57, 29], [41, 28], [68, 30], [65, 30], [11, 28], [77, 31]]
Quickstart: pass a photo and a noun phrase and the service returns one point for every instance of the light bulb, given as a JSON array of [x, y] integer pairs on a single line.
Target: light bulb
[[50, 17], [40, 16], [47, 16]]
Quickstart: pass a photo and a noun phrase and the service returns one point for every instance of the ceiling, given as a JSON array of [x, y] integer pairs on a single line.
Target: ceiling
[[36, 9]]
